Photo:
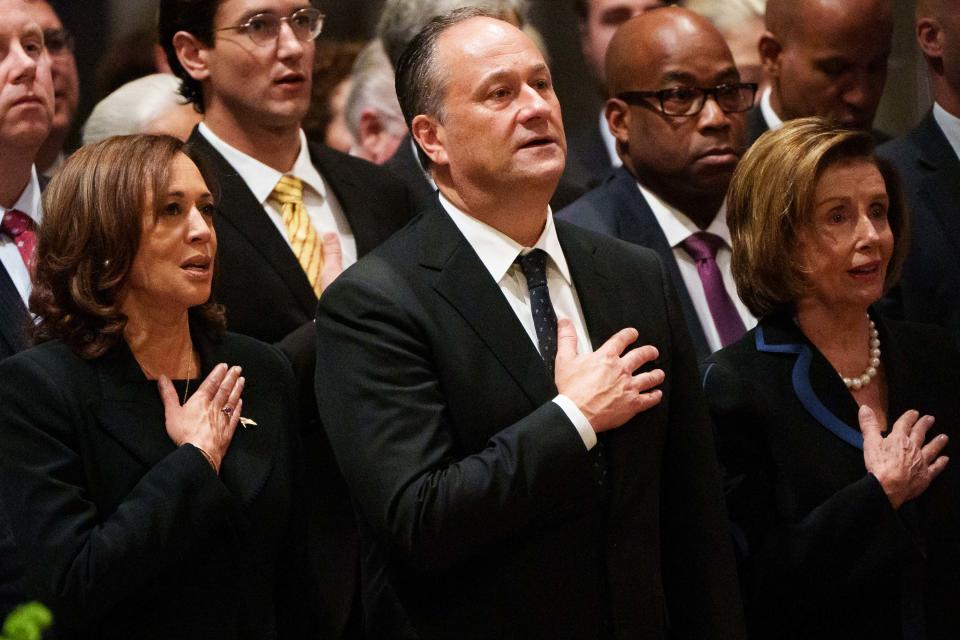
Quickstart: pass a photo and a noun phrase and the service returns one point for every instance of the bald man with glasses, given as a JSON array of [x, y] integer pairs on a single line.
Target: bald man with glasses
[[292, 215], [677, 110]]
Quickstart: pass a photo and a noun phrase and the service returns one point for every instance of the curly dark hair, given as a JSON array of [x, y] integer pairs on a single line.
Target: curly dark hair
[[92, 223]]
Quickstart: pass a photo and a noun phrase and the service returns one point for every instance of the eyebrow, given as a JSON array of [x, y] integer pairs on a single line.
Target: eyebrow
[[256, 12], [730, 73], [499, 74]]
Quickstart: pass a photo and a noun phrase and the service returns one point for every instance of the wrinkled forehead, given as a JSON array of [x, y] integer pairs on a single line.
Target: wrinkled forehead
[[44, 14], [470, 50], [235, 11], [16, 21]]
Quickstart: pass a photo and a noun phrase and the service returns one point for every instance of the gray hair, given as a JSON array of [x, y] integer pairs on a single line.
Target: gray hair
[[401, 20], [372, 86], [132, 107]]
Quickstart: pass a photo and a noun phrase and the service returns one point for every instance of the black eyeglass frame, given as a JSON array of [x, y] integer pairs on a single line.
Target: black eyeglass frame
[[640, 98], [244, 27]]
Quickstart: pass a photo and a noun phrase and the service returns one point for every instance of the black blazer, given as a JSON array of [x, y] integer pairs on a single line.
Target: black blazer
[[930, 170], [617, 208], [268, 296], [482, 515], [757, 126], [822, 553], [127, 536], [588, 161]]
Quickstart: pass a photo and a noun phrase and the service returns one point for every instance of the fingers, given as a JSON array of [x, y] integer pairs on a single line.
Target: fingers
[[638, 357], [919, 432], [934, 448], [209, 386], [645, 401], [332, 259], [938, 466], [869, 425], [226, 388], [168, 394], [619, 341], [233, 421], [234, 398], [566, 339], [648, 379], [904, 423]]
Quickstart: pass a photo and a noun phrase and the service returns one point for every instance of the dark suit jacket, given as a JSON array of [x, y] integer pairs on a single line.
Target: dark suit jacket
[[617, 208], [822, 552], [404, 165], [930, 170], [268, 296], [128, 536], [482, 514]]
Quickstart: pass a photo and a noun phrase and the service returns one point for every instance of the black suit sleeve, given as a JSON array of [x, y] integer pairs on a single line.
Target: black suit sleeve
[[382, 403], [698, 560], [80, 564], [838, 545]]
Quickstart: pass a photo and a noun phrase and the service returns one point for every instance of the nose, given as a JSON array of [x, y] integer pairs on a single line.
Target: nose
[[24, 64], [712, 116], [288, 45], [535, 104], [200, 229], [867, 232]]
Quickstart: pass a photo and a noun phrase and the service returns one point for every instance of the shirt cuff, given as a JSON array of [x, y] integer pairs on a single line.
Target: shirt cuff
[[579, 421]]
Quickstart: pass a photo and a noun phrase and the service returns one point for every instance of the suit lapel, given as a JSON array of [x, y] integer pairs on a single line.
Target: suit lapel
[[241, 210], [638, 225], [14, 318], [940, 189], [351, 195], [463, 281]]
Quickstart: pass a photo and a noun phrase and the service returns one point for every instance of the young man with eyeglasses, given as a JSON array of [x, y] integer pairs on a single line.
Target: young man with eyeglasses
[[291, 214], [66, 85], [677, 110]]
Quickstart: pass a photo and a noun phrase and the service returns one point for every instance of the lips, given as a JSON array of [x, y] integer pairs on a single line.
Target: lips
[[28, 99], [868, 269], [538, 141], [197, 264], [291, 79]]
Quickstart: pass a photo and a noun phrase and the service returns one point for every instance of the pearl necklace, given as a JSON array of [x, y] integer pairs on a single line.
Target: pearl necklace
[[858, 382]]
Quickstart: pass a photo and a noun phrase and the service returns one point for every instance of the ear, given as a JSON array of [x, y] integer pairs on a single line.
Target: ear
[[770, 49], [928, 37], [431, 137], [191, 53], [617, 113]]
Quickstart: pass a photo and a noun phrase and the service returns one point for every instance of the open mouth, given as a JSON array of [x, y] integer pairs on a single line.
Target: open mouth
[[537, 142], [197, 264], [869, 269], [291, 79]]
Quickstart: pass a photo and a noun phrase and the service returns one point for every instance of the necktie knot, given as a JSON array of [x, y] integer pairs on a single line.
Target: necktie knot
[[15, 223], [289, 190], [703, 245], [534, 267]]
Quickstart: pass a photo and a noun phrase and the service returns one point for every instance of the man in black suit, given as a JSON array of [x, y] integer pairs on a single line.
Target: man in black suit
[[26, 111], [591, 152], [247, 66], [824, 58], [679, 150], [510, 481], [927, 158]]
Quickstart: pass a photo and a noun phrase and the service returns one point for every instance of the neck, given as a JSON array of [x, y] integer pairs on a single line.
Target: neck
[[521, 216], [841, 334], [50, 150], [945, 95], [276, 147], [701, 207], [161, 342], [15, 177]]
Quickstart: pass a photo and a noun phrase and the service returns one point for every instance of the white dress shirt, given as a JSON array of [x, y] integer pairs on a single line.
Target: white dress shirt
[[609, 141], [770, 116], [497, 252], [677, 227], [950, 125], [322, 205], [10, 258]]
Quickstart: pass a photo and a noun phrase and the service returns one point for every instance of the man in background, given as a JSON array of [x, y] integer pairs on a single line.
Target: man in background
[[677, 111]]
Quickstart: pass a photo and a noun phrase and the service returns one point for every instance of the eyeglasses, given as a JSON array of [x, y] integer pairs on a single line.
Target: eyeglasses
[[733, 97], [58, 41], [264, 28]]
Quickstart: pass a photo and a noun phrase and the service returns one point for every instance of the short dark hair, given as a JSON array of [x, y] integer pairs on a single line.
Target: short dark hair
[[92, 223], [419, 82], [195, 17], [580, 8], [770, 200]]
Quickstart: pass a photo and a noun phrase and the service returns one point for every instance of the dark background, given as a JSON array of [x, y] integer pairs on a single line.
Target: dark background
[[96, 24]]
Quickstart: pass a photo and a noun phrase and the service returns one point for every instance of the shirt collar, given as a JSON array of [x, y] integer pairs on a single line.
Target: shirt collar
[[677, 226], [773, 121], [950, 125], [260, 178], [29, 201], [497, 251]]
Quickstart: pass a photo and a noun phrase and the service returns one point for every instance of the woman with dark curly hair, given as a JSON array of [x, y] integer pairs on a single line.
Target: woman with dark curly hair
[[139, 508], [832, 421]]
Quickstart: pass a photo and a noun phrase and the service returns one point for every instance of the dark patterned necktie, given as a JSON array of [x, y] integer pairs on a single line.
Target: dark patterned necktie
[[534, 267], [703, 247], [20, 227]]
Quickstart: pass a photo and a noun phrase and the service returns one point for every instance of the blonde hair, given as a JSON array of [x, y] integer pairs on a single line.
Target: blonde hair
[[770, 200]]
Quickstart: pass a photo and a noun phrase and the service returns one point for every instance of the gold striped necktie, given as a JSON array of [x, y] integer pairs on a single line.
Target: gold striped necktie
[[304, 239]]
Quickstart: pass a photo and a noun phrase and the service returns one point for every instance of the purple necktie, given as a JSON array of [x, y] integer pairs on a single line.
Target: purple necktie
[[20, 227], [702, 247]]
